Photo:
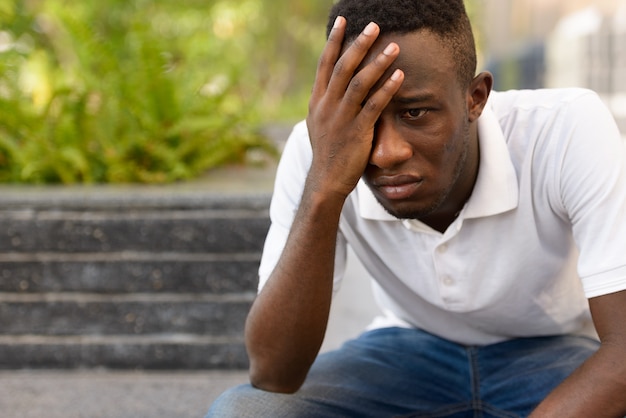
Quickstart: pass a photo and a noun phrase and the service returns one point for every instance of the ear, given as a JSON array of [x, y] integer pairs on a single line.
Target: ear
[[477, 94]]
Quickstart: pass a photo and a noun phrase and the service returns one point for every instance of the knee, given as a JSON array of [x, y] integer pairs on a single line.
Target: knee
[[246, 401], [233, 403]]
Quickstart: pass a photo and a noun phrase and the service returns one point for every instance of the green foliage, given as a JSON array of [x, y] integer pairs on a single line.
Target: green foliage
[[149, 90], [120, 91]]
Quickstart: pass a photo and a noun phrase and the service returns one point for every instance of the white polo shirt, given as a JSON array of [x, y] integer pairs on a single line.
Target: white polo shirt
[[544, 228]]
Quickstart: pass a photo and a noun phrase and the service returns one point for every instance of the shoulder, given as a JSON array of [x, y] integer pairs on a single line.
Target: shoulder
[[553, 115], [552, 109], [547, 100]]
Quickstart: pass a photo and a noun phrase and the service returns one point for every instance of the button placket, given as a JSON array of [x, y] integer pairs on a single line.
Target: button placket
[[446, 276]]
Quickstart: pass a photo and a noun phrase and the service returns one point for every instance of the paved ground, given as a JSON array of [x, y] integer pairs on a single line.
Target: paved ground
[[88, 394], [106, 394]]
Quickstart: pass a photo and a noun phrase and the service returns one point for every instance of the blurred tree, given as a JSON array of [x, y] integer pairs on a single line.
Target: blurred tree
[[149, 90], [119, 91], [278, 42]]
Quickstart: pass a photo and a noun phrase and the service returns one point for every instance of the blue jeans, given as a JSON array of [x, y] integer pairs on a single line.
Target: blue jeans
[[396, 372]]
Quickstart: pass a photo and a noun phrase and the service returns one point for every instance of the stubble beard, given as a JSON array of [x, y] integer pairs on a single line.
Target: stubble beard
[[419, 213]]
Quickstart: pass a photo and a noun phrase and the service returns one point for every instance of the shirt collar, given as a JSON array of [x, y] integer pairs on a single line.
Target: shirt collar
[[496, 189]]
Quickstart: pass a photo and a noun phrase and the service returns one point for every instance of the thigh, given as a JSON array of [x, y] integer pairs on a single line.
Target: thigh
[[383, 373], [394, 372], [516, 375]]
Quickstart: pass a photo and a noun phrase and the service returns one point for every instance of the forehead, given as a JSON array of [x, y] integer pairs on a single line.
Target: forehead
[[424, 58]]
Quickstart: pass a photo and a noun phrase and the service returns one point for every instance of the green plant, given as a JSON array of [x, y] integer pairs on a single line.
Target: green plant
[[149, 90], [118, 91]]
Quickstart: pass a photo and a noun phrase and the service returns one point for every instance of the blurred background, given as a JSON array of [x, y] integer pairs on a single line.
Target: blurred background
[[556, 43], [171, 91], [156, 91]]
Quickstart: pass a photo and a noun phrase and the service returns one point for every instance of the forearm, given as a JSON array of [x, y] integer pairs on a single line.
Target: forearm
[[287, 322], [596, 389]]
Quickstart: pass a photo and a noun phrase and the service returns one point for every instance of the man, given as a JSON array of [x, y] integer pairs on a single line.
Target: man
[[493, 224]]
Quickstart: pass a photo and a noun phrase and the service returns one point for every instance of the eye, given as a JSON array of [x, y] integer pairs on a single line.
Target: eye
[[413, 114]]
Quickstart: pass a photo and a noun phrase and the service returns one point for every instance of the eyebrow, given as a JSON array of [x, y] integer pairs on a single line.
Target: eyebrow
[[423, 97]]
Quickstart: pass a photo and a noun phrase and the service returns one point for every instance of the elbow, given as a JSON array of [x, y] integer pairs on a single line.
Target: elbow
[[273, 381]]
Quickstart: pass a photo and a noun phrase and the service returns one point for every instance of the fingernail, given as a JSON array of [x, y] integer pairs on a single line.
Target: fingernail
[[390, 49], [396, 75], [337, 22], [370, 29]]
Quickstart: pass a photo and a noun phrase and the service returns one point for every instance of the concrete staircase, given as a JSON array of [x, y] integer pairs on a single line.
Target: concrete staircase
[[127, 278]]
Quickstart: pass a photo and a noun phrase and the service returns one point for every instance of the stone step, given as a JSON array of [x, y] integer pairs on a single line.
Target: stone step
[[197, 231], [129, 272], [150, 352], [152, 279], [251, 192], [133, 314]]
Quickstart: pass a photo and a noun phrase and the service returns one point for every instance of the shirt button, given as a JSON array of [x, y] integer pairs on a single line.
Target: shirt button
[[448, 281]]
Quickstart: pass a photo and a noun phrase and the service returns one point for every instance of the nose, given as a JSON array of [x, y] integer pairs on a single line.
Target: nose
[[390, 148]]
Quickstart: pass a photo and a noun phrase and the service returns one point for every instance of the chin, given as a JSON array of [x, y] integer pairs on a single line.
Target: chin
[[407, 211]]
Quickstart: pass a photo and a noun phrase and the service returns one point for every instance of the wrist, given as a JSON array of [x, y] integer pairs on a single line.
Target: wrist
[[327, 191]]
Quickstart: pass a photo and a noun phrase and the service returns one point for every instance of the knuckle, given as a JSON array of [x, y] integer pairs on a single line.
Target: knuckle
[[340, 68], [359, 44], [372, 105], [388, 88], [382, 62], [356, 84], [315, 106], [324, 61]]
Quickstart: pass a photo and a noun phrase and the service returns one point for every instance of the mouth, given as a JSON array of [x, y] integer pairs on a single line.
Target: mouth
[[397, 188]]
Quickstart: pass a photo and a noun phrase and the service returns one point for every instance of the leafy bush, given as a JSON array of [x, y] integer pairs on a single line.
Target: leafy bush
[[120, 91]]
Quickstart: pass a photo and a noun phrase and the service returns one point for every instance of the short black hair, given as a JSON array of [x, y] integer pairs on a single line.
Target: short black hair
[[445, 18]]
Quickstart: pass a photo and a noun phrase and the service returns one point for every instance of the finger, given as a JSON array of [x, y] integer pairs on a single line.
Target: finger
[[329, 57], [367, 78], [379, 100], [351, 59]]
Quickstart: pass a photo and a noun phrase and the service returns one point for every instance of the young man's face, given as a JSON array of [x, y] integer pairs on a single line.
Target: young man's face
[[425, 156]]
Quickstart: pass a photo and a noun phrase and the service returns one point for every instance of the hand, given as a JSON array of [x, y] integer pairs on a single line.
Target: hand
[[344, 108]]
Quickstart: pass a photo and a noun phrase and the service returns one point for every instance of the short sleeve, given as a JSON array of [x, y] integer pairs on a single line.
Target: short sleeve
[[593, 192]]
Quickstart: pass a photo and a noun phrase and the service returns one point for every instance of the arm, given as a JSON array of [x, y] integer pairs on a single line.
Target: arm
[[598, 387], [287, 322]]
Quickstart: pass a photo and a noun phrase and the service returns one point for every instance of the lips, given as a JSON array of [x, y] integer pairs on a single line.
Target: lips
[[398, 187]]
